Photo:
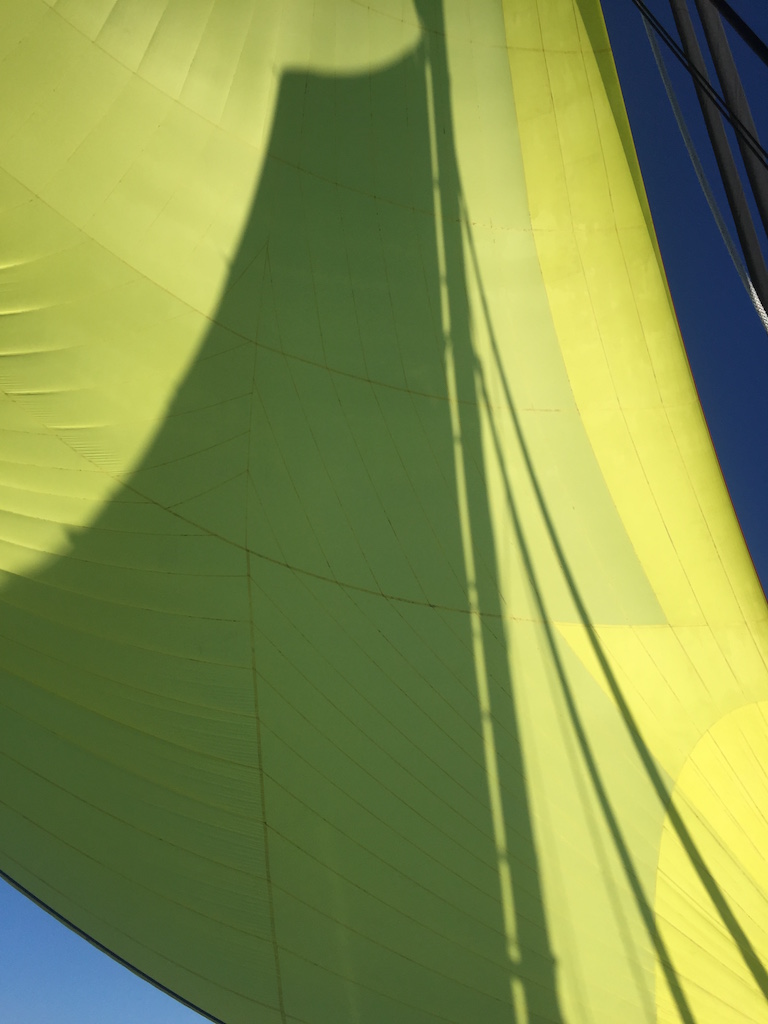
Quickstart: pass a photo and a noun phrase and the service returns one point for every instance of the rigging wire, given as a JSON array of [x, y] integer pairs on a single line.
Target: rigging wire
[[689, 54], [736, 98], [730, 245], [751, 38], [704, 83], [729, 172]]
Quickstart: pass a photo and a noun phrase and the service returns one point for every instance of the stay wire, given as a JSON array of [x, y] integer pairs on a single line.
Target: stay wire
[[735, 122], [730, 244], [751, 38], [734, 95]]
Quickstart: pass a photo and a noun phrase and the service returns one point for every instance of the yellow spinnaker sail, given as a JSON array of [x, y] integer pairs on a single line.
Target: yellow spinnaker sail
[[378, 640]]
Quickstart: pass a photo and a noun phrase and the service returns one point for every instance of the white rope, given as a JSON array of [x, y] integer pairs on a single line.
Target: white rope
[[758, 305], [730, 245]]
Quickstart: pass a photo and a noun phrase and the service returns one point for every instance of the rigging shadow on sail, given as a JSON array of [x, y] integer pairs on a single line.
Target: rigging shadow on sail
[[723, 907], [655, 776]]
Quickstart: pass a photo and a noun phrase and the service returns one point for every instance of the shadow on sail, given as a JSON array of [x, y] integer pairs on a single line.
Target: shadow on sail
[[247, 745]]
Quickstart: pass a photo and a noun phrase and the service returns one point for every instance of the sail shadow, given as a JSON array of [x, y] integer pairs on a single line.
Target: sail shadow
[[246, 748]]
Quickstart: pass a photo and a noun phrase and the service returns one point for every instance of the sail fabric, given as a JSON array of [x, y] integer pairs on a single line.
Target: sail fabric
[[378, 639]]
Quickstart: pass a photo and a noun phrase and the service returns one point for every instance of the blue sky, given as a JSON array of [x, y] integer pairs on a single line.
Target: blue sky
[[48, 975]]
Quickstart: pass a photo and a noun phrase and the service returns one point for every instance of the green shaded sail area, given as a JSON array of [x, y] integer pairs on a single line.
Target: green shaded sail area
[[243, 567], [290, 545], [277, 729]]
